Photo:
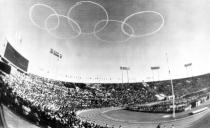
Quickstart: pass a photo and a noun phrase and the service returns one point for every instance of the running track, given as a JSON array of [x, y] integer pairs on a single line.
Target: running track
[[201, 120], [98, 116]]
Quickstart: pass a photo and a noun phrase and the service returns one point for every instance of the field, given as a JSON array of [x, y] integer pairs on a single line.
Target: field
[[127, 119]]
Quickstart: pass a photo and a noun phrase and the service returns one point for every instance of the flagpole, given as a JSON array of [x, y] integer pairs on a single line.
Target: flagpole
[[172, 87]]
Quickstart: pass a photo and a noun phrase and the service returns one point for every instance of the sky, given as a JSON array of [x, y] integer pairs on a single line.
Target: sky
[[178, 28]]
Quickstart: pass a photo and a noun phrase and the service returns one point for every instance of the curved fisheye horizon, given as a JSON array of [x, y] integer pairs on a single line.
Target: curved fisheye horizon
[[96, 38], [104, 64]]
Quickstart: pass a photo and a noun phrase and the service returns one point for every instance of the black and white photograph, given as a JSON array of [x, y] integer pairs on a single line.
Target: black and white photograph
[[104, 64]]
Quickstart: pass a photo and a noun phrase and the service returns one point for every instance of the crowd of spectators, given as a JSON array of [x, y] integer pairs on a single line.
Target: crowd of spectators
[[53, 103], [160, 107], [188, 91], [184, 86], [44, 103]]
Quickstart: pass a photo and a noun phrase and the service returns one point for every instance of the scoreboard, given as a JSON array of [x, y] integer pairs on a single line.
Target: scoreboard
[[15, 57]]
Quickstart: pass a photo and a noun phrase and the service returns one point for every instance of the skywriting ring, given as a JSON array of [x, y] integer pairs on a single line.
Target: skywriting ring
[[112, 32], [145, 34], [42, 26], [93, 3], [68, 34], [84, 18]]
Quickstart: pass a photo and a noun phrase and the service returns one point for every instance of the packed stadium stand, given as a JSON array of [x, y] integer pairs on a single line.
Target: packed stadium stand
[[47, 102], [104, 64], [51, 103]]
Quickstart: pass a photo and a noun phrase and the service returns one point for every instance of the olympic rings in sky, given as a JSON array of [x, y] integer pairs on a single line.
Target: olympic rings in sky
[[42, 13], [62, 31], [112, 32], [86, 15], [141, 13]]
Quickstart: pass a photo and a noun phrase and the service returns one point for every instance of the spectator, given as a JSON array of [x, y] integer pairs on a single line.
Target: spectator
[[159, 125], [172, 126]]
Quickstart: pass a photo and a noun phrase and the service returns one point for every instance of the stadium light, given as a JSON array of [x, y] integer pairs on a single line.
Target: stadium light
[[155, 68], [122, 74], [172, 87], [188, 65], [123, 68], [57, 55]]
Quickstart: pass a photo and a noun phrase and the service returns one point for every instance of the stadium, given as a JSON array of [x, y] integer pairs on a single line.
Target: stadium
[[104, 64]]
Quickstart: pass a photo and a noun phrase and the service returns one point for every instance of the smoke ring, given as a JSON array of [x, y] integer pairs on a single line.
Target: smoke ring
[[36, 24], [146, 34], [79, 3], [49, 30], [107, 41]]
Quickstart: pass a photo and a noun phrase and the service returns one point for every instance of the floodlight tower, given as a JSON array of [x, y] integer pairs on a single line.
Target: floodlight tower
[[56, 58], [189, 65], [155, 68], [123, 68], [153, 79], [127, 69], [172, 87]]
